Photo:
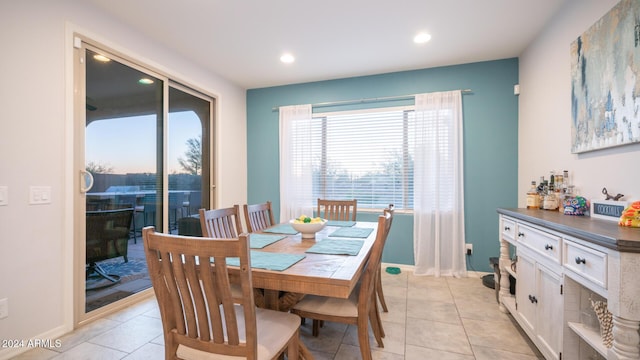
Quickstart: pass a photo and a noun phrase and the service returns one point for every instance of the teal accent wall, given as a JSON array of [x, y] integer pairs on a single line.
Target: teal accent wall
[[490, 143]]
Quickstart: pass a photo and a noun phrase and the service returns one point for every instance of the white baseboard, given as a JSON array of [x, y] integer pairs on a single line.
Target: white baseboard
[[411, 268]]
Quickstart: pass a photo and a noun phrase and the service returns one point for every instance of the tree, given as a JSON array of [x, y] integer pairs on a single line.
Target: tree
[[193, 163], [99, 168]]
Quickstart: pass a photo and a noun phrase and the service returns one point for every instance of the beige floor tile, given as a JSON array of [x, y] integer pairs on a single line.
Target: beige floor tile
[[421, 353], [487, 353], [329, 339], [498, 335], [86, 332], [470, 308], [148, 351], [132, 311], [394, 291], [37, 354], [350, 352], [399, 280], [437, 335], [319, 355], [393, 341], [131, 335], [426, 281], [397, 310], [430, 293], [91, 351], [433, 310]]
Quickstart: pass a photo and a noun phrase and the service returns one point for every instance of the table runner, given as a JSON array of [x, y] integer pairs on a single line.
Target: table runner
[[352, 232], [258, 241], [269, 261], [337, 247]]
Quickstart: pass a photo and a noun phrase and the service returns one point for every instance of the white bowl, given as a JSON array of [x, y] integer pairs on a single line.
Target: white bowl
[[308, 230]]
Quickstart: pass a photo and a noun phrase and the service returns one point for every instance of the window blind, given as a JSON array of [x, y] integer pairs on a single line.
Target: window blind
[[364, 155]]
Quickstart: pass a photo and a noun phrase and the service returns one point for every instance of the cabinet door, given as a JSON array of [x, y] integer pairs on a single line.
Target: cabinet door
[[526, 291], [549, 311]]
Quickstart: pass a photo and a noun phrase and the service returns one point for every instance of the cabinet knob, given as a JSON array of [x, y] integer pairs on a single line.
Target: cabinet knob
[[548, 247], [580, 260], [533, 299], [506, 228], [520, 234]]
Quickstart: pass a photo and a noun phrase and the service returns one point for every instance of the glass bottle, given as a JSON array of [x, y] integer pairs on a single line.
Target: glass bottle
[[566, 183], [543, 189], [533, 199]]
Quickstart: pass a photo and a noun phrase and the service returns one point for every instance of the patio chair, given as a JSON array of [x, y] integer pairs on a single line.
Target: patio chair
[[107, 237]]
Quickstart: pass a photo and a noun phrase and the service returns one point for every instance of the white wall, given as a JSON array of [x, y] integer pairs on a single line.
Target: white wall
[[545, 113], [36, 241]]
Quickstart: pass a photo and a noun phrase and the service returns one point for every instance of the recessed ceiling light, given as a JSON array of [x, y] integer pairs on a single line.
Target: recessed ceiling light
[[421, 38], [145, 81], [287, 58], [101, 58]]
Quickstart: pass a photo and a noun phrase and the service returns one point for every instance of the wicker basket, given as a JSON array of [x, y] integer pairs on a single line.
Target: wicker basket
[[605, 320]]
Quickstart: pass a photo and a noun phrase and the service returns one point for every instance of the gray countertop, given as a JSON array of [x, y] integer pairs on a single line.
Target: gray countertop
[[601, 232]]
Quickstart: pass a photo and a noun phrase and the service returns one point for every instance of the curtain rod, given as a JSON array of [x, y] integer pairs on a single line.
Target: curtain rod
[[369, 100]]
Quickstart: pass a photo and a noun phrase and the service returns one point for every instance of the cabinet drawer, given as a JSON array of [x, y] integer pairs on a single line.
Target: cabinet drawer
[[508, 229], [585, 261], [546, 244]]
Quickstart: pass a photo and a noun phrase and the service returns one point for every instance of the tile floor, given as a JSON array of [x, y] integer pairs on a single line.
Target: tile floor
[[429, 318]]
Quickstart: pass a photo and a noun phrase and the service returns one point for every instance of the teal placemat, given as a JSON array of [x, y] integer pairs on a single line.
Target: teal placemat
[[352, 232], [269, 261], [340, 223], [337, 247], [281, 229], [258, 241]]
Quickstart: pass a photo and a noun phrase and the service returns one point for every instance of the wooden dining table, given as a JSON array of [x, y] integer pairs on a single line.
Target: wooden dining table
[[316, 274]]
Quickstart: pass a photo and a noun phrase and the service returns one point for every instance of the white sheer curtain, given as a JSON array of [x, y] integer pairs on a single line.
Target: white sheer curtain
[[295, 168], [438, 223]]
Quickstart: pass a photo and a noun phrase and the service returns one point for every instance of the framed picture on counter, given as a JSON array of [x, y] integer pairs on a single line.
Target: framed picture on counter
[[608, 209]]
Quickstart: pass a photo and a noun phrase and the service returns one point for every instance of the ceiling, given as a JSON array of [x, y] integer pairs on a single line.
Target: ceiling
[[242, 40]]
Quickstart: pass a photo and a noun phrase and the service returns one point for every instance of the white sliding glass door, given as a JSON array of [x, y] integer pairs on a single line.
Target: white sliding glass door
[[142, 145]]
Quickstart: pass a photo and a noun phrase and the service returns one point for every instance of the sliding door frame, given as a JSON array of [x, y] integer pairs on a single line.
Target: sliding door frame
[[77, 133]]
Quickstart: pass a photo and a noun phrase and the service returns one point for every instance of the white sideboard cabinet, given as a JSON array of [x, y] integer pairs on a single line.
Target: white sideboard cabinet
[[561, 263]]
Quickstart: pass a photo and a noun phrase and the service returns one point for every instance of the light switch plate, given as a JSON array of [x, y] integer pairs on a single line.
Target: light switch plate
[[4, 195], [39, 195]]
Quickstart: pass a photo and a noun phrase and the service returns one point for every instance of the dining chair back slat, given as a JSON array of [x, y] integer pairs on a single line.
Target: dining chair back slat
[[341, 210], [221, 223], [190, 277], [258, 216]]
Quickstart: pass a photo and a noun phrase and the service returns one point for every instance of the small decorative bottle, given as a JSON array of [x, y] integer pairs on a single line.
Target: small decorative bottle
[[533, 199]]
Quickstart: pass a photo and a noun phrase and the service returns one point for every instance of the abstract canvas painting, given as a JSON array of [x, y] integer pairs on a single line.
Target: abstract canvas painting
[[605, 81]]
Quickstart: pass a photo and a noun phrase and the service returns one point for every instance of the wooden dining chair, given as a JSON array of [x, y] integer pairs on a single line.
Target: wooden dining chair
[[360, 308], [343, 210], [201, 319], [258, 216], [379, 293], [221, 223]]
